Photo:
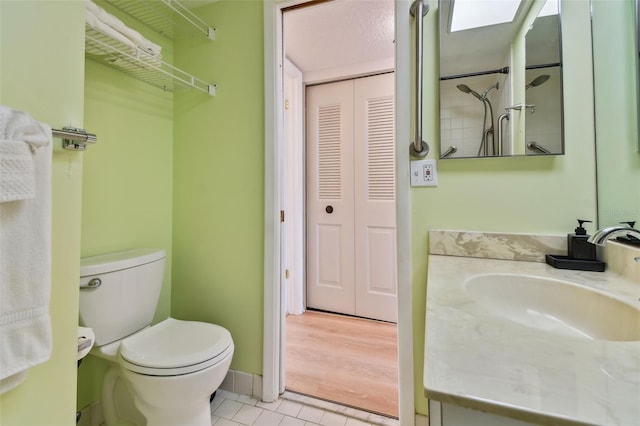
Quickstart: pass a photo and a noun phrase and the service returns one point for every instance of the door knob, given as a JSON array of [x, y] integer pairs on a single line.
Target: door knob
[[329, 209]]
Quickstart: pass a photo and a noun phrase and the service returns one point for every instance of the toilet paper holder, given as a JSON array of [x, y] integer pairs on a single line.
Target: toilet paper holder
[[86, 339]]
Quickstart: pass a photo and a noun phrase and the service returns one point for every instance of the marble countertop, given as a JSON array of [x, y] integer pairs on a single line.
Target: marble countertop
[[477, 359]]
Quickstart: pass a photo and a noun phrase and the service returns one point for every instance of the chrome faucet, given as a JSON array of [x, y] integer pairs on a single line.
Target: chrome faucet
[[604, 234]]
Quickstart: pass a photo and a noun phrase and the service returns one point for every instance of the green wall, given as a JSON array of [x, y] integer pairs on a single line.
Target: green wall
[[128, 176], [219, 181], [41, 72], [127, 179], [616, 111]]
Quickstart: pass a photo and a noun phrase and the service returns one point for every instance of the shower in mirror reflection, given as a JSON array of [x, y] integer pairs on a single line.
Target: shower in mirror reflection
[[534, 147], [527, 42], [488, 133], [537, 81], [543, 128]]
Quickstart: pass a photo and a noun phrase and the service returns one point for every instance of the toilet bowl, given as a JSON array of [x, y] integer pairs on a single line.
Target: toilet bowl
[[160, 375], [169, 370]]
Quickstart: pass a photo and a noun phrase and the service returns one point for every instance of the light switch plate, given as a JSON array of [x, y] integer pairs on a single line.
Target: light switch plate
[[424, 173]]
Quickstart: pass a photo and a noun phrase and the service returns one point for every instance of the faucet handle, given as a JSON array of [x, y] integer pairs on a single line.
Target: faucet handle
[[629, 238]]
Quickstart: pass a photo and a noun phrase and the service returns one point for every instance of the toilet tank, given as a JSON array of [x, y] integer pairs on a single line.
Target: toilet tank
[[119, 292]]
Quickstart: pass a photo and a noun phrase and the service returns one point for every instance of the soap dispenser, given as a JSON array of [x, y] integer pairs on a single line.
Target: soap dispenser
[[579, 247]]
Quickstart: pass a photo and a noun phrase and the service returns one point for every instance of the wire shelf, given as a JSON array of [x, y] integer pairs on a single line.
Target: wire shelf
[[167, 17], [139, 64]]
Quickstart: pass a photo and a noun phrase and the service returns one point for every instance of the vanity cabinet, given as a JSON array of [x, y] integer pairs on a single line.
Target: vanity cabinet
[[484, 354], [445, 414]]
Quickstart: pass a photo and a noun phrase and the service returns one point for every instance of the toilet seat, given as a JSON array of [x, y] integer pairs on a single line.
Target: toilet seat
[[174, 347]]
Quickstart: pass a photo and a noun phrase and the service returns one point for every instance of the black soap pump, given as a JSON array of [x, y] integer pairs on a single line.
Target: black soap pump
[[579, 247]]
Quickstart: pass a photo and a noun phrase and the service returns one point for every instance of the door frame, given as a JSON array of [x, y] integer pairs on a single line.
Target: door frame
[[274, 308]]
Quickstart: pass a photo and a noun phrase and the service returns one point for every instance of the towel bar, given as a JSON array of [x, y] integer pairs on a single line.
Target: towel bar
[[74, 138]]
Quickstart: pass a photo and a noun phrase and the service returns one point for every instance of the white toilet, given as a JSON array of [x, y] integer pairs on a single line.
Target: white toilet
[[161, 375]]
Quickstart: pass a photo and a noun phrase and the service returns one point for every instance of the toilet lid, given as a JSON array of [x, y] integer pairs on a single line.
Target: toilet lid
[[173, 344]]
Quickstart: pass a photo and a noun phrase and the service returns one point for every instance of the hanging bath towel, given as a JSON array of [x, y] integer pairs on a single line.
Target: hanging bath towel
[[25, 245]]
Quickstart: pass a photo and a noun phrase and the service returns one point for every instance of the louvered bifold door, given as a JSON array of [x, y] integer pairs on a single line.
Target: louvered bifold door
[[351, 227], [374, 195], [330, 207]]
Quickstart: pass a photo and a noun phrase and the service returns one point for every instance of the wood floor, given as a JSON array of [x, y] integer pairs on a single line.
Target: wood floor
[[351, 361]]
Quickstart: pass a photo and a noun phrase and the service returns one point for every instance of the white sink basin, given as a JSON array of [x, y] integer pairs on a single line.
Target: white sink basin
[[556, 306]]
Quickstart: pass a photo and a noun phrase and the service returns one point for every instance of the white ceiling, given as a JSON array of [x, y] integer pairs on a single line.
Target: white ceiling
[[339, 33]]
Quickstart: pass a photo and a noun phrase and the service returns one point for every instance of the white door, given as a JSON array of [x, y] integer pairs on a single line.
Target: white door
[[351, 246], [330, 227], [375, 198]]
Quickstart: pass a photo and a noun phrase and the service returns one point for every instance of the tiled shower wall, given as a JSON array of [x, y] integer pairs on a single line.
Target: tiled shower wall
[[461, 114]]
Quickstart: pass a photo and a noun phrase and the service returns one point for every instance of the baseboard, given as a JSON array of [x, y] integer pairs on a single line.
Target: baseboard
[[243, 383], [421, 420]]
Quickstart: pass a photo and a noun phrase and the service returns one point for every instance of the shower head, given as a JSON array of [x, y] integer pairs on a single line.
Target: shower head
[[537, 81], [466, 89], [495, 86]]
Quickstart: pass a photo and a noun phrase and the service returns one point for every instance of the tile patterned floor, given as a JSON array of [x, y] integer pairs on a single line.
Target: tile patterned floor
[[232, 409]]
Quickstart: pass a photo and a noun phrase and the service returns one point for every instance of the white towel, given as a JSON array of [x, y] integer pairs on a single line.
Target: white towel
[[18, 125], [17, 176], [25, 257], [20, 137], [118, 26], [92, 21]]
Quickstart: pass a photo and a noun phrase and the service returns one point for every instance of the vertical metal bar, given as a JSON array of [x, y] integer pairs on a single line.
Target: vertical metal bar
[[419, 148], [503, 116]]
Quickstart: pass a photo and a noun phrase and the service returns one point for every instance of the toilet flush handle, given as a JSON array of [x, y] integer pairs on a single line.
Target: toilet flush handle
[[93, 283]]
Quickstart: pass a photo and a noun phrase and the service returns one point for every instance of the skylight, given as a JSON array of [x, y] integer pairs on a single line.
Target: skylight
[[469, 14], [549, 8]]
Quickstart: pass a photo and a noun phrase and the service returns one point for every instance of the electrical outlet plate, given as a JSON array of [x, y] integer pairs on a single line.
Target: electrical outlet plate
[[424, 173]]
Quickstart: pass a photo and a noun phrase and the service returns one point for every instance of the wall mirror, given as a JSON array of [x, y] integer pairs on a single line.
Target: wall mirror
[[500, 78]]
